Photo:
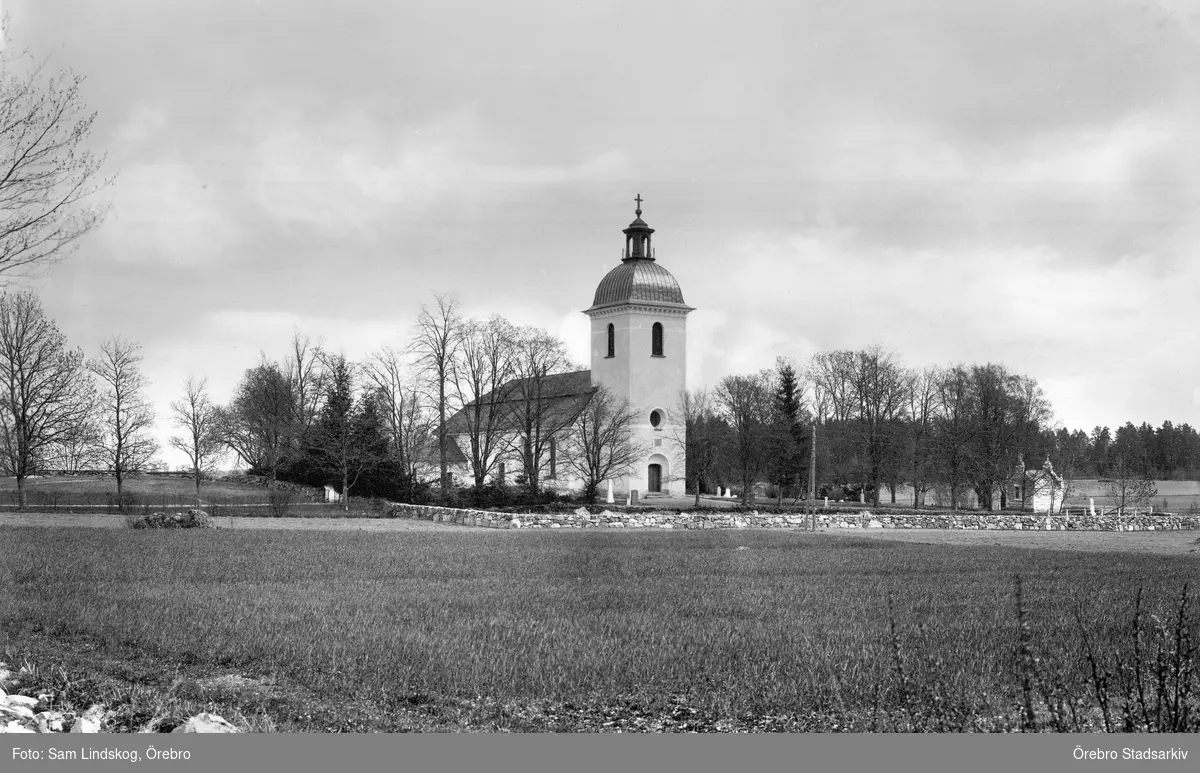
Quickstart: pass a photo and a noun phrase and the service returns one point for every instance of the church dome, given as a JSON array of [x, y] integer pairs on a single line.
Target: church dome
[[638, 281]]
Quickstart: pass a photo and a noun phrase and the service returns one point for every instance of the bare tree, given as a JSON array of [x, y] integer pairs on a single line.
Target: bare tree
[[438, 333], [539, 411], [699, 434], [80, 448], [482, 364], [46, 172], [832, 375], [126, 417], [879, 390], [601, 442], [302, 367], [953, 429], [832, 378], [44, 388], [403, 413], [1127, 485], [200, 420], [923, 404], [1005, 411], [258, 422], [747, 405]]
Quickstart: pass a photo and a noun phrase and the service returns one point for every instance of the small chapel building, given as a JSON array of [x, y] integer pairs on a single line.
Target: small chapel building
[[639, 352]]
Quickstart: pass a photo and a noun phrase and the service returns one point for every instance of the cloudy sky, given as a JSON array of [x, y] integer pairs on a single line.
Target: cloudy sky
[[1013, 181]]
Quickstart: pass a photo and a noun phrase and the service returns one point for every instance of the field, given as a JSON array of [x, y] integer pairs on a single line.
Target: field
[[145, 493], [1175, 496], [94, 489], [600, 631]]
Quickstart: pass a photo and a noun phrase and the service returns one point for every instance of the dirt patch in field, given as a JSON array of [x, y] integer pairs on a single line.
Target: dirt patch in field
[[1160, 542]]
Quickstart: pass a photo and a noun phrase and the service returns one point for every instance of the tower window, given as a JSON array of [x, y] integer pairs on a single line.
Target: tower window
[[656, 340], [656, 418], [612, 341]]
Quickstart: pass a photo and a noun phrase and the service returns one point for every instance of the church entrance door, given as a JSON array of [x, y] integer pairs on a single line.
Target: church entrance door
[[654, 479]]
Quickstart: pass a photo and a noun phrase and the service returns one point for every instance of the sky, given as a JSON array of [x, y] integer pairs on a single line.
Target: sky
[[1014, 182]]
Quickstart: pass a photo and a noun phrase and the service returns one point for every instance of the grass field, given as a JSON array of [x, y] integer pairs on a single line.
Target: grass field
[[599, 631], [148, 493], [98, 490]]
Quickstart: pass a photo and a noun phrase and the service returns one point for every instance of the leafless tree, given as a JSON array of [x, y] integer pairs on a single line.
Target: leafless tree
[[747, 403], [80, 448], [832, 378], [199, 419], [1005, 410], [258, 422], [1127, 486], [602, 441], [44, 387], [923, 405], [698, 435], [953, 429], [438, 334], [403, 412], [303, 369], [539, 413], [880, 393], [126, 417], [46, 172], [483, 363]]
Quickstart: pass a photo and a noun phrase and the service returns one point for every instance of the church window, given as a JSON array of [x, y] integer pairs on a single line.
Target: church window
[[500, 474], [656, 418], [553, 459], [612, 341], [656, 340]]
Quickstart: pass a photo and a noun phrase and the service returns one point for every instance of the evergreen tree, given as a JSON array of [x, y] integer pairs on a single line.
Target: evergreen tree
[[788, 436], [345, 445]]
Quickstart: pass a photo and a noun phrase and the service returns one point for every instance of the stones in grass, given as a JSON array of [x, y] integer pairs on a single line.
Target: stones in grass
[[192, 519], [206, 723], [90, 721]]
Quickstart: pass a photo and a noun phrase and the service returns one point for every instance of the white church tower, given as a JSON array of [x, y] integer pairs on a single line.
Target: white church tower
[[639, 351]]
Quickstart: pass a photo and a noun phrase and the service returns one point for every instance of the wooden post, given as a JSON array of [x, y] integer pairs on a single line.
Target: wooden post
[[812, 479]]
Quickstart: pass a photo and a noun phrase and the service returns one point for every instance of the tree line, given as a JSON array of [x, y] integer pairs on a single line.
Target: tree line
[[494, 391], [881, 427]]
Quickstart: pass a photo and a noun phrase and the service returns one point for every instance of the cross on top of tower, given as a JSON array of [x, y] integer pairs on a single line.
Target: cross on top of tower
[[638, 199]]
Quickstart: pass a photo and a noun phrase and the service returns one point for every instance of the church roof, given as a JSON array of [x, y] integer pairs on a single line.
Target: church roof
[[562, 395], [638, 281]]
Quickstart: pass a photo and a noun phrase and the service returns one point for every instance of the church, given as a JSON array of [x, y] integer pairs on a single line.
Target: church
[[639, 352]]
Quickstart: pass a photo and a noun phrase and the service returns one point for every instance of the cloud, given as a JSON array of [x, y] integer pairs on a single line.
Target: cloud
[[144, 123], [164, 213], [346, 176]]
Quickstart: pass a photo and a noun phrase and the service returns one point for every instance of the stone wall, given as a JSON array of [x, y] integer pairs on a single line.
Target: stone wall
[[585, 518]]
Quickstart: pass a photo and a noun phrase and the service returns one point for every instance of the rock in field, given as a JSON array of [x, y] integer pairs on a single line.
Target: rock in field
[[206, 723]]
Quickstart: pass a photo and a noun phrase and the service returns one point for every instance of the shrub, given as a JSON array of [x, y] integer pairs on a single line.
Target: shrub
[[279, 502], [123, 502]]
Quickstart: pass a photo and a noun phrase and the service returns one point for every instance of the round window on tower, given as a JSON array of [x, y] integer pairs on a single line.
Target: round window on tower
[[656, 418]]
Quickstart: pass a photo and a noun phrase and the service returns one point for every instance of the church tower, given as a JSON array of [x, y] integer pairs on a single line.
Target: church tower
[[639, 351]]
